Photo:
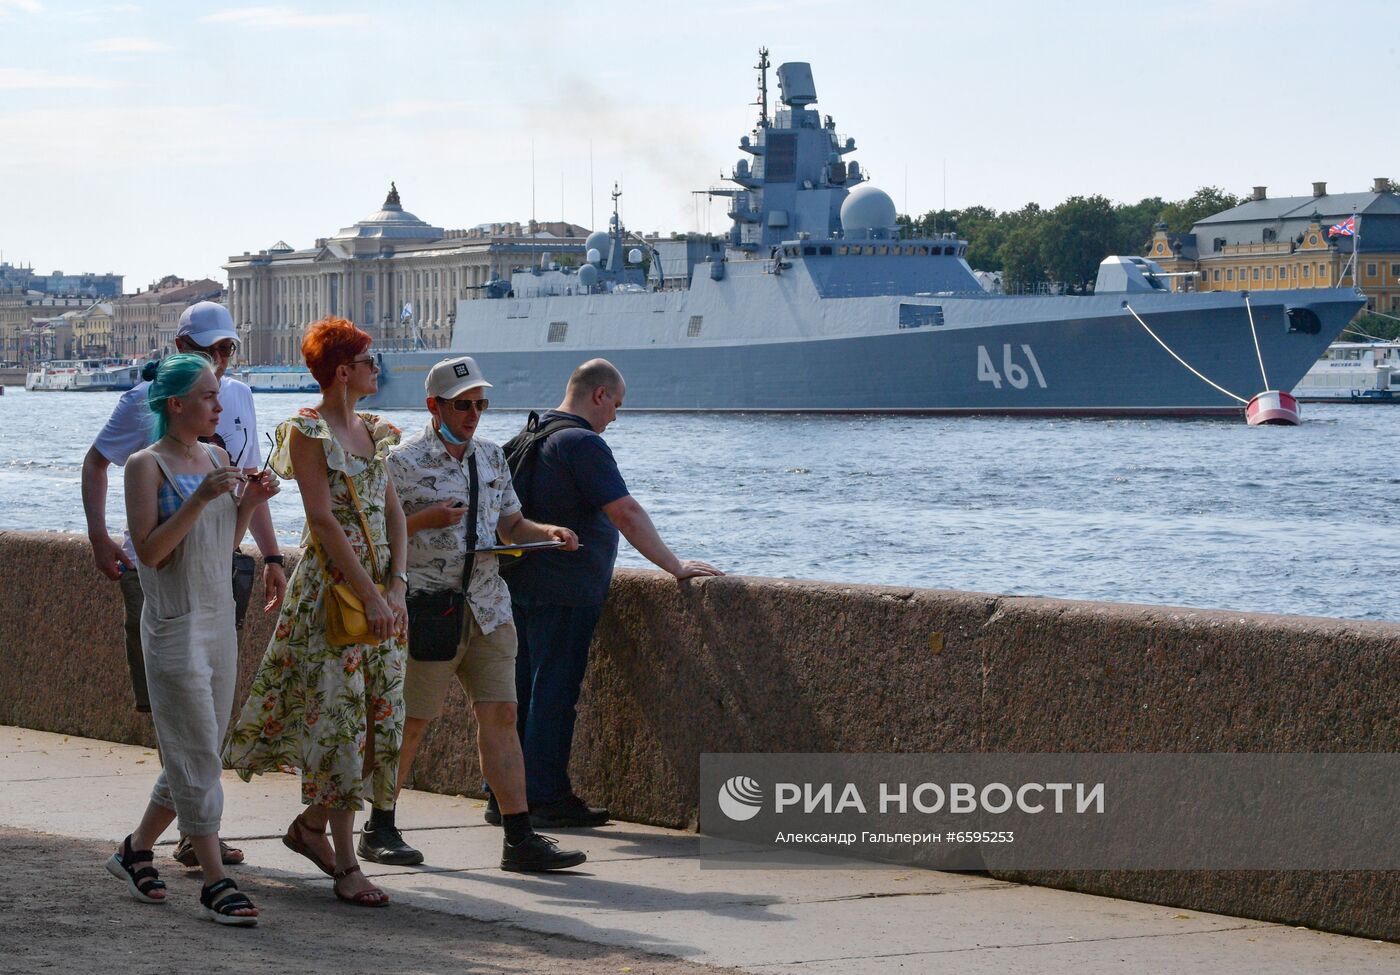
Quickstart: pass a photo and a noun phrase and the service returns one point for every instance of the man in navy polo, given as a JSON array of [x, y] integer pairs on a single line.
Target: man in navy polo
[[557, 597]]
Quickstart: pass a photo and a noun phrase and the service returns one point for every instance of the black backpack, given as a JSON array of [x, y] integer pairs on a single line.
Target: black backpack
[[522, 453]]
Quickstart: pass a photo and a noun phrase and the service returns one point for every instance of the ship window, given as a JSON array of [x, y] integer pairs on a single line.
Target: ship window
[[869, 249], [916, 316], [842, 250], [883, 250], [923, 250], [693, 329], [825, 250], [809, 251], [557, 331]]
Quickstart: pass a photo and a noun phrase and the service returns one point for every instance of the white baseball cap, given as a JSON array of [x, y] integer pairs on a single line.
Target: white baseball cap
[[451, 378], [206, 323]]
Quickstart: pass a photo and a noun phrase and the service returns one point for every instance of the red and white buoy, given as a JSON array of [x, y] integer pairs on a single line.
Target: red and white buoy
[[1273, 406]]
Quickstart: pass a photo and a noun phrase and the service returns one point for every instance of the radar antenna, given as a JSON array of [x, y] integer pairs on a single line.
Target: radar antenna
[[762, 68]]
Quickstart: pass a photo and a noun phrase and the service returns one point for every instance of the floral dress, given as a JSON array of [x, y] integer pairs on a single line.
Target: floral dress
[[307, 706]]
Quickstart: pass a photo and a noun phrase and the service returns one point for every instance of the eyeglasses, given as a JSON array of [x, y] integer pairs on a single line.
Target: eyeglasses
[[466, 405], [226, 349], [369, 360]]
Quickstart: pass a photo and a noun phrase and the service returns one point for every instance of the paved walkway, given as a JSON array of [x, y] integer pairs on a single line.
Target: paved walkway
[[643, 891]]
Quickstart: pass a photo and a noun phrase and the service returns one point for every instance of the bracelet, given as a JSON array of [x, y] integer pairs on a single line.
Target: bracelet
[[273, 560]]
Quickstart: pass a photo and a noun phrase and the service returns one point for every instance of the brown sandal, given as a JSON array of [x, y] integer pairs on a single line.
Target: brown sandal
[[290, 841], [365, 898], [184, 853]]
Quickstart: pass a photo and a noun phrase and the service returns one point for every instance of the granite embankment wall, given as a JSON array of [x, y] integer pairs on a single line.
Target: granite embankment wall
[[750, 665]]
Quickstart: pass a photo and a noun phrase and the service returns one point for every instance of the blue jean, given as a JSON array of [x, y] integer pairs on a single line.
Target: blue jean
[[549, 666]]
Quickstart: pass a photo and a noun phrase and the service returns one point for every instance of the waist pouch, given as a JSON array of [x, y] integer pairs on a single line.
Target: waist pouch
[[435, 624]]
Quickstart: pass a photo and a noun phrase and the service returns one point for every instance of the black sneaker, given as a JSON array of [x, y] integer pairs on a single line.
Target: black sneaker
[[493, 811], [537, 854], [385, 844], [566, 813]]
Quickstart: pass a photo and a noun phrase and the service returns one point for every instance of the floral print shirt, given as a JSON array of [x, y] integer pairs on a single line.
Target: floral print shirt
[[425, 474]]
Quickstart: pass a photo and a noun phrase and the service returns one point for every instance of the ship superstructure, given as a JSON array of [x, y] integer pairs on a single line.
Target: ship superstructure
[[814, 302]]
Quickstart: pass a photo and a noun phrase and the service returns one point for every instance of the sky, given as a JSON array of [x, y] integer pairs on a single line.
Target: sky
[[159, 138]]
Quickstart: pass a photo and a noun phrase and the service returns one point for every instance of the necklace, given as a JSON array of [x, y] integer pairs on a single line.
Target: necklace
[[188, 447]]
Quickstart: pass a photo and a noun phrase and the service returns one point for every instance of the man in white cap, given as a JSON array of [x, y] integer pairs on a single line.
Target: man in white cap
[[456, 494], [205, 328]]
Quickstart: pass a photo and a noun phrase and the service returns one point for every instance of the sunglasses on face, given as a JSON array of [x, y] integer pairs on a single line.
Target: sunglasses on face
[[466, 405], [224, 350], [367, 360]]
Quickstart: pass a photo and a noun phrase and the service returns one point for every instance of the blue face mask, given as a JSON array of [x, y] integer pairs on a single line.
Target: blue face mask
[[447, 435]]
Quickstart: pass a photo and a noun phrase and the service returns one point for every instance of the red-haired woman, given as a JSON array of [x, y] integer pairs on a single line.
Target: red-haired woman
[[335, 712]]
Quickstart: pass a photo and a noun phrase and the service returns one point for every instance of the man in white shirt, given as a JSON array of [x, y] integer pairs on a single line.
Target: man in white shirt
[[207, 328]]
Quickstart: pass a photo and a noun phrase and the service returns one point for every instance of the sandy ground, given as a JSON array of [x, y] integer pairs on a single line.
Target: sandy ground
[[60, 912]]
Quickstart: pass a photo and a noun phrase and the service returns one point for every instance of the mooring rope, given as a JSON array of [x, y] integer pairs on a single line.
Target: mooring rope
[[1253, 331], [1237, 399]]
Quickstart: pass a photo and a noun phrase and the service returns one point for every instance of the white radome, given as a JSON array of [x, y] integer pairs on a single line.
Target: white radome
[[867, 208]]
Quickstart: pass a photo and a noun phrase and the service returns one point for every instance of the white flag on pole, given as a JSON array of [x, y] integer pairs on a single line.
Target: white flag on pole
[[407, 313]]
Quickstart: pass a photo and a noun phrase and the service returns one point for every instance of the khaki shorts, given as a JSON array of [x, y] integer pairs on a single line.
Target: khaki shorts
[[484, 665]]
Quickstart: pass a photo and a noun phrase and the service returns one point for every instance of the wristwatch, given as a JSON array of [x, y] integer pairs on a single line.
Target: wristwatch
[[400, 575], [273, 560]]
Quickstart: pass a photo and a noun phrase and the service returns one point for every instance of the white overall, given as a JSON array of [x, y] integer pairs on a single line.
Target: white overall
[[191, 653]]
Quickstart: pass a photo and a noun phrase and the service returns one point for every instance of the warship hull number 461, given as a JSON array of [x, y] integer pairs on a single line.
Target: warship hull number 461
[[814, 302]]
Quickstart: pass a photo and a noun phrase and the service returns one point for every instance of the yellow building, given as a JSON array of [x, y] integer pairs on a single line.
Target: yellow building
[[92, 331], [1269, 244]]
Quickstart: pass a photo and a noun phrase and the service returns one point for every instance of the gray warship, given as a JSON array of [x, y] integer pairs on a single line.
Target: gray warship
[[815, 302]]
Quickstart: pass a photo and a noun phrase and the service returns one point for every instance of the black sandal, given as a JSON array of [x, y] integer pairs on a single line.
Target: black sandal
[[139, 882], [219, 909]]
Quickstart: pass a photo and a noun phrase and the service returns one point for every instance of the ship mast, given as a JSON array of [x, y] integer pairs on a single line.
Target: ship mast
[[762, 68]]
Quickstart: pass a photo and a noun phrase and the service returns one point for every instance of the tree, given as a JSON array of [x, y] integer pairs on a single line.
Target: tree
[[1182, 215], [1076, 236], [1020, 256], [1135, 222]]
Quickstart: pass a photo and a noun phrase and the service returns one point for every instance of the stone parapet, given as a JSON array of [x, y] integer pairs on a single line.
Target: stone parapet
[[759, 665]]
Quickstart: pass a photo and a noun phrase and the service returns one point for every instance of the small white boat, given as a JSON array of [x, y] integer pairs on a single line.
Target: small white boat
[[1353, 372], [84, 376], [278, 379]]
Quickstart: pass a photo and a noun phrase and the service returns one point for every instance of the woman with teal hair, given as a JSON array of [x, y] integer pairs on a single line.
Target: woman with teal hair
[[187, 508]]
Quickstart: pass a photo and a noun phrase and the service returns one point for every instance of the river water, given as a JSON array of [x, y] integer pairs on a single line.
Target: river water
[[1206, 513]]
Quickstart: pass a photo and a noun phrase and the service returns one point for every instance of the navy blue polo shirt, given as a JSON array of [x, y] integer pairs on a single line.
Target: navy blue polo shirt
[[575, 475]]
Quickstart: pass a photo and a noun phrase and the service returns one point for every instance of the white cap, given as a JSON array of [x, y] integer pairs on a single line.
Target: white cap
[[451, 378], [206, 323]]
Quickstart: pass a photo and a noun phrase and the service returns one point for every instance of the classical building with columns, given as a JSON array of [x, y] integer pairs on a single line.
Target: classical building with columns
[[392, 274]]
